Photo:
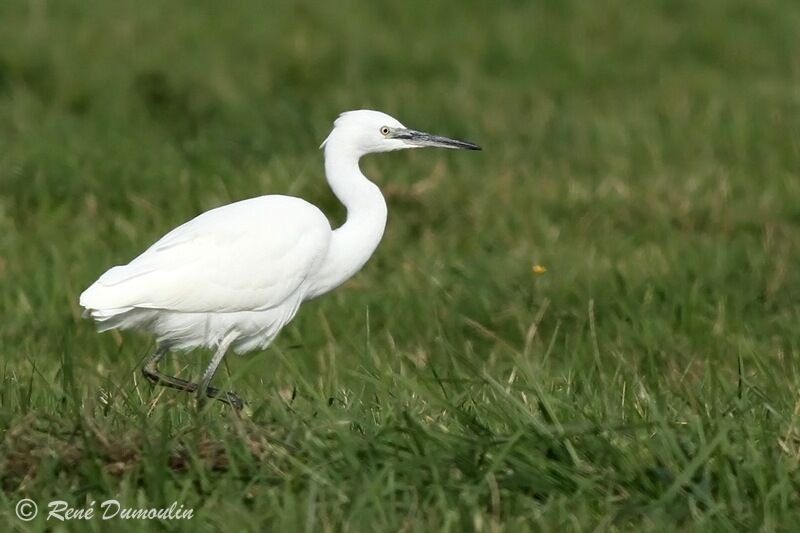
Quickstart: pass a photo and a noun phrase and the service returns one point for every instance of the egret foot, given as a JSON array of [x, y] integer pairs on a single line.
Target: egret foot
[[230, 398], [153, 375]]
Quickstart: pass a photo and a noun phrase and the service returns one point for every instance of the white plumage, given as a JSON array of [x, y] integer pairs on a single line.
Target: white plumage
[[235, 275], [244, 266]]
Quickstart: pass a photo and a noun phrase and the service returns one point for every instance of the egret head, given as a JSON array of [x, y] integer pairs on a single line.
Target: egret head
[[366, 132]]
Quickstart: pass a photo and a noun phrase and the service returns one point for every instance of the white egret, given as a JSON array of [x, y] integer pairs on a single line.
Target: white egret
[[234, 276]]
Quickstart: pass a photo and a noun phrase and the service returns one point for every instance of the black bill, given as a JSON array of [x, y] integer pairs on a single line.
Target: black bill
[[420, 138]]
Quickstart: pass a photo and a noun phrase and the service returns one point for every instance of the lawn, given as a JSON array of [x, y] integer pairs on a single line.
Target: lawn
[[645, 154]]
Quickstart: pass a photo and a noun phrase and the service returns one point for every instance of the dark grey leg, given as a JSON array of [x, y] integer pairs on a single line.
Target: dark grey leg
[[154, 376], [151, 372]]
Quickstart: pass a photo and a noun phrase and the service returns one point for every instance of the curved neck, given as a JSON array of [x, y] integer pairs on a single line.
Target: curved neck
[[354, 242]]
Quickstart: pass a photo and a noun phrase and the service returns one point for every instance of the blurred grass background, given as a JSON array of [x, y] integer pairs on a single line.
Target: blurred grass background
[[645, 153]]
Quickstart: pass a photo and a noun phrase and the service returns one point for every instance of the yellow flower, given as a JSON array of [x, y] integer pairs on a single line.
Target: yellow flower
[[538, 269]]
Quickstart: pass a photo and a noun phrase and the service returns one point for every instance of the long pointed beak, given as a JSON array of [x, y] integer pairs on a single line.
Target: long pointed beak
[[420, 138]]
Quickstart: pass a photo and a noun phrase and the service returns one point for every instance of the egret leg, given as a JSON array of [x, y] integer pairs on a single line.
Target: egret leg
[[203, 390], [154, 376]]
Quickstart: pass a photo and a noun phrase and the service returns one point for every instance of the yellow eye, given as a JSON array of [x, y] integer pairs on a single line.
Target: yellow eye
[[384, 131]]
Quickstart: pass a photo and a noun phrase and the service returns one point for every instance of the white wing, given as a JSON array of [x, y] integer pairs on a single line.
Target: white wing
[[246, 256]]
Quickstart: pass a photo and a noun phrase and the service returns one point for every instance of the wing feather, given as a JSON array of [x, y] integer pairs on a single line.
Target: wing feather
[[246, 256]]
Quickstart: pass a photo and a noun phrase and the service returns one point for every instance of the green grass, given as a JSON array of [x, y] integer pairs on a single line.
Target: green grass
[[645, 153]]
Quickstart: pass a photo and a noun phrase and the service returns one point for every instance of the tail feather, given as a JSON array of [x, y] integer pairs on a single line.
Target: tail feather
[[103, 300], [114, 301]]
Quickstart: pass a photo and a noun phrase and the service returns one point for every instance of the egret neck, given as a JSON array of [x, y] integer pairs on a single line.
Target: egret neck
[[354, 242]]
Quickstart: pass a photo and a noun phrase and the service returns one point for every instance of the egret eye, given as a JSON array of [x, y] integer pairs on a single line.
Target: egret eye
[[384, 131]]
